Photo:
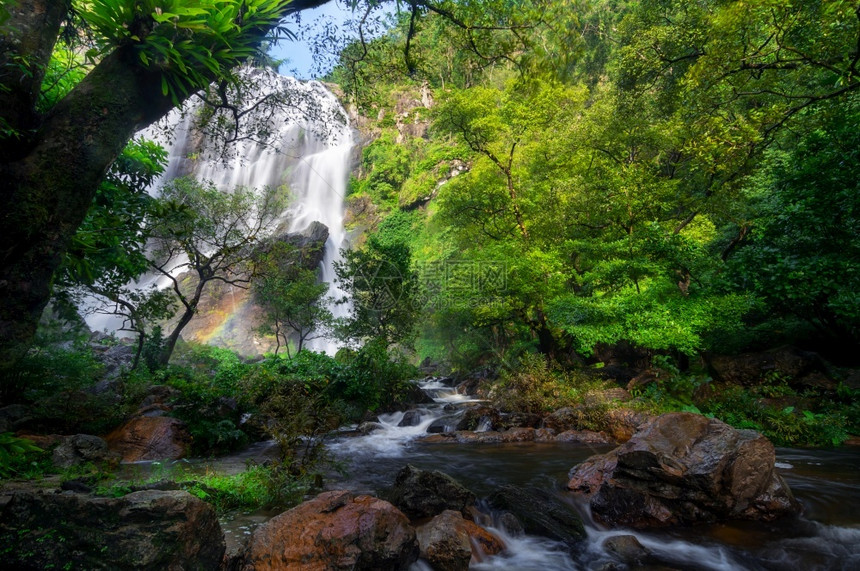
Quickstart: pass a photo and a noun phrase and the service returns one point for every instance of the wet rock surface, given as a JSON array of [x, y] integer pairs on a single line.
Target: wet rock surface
[[336, 530], [449, 542], [684, 468], [82, 448], [423, 493], [540, 512]]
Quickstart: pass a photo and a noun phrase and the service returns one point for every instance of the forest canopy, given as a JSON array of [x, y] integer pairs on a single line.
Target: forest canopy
[[679, 176], [644, 172]]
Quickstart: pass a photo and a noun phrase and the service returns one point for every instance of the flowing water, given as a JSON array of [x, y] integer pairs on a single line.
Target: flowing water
[[827, 483], [306, 149], [314, 162]]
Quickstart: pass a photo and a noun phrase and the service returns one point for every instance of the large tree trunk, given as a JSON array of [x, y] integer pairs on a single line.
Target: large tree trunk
[[26, 42], [45, 195], [50, 172]]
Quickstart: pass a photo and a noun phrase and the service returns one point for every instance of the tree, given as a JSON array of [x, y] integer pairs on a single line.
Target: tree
[[383, 290], [209, 234], [147, 57], [291, 298], [143, 59], [801, 255]]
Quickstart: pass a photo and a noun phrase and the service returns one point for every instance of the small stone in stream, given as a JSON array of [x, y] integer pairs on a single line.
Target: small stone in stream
[[445, 543], [627, 549], [368, 427], [423, 493], [410, 418], [511, 524], [440, 425], [480, 416]]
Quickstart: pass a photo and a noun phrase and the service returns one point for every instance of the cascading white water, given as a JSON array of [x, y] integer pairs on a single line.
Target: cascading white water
[[307, 149]]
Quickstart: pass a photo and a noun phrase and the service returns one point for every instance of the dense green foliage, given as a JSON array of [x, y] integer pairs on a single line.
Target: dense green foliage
[[290, 296], [629, 168], [382, 289], [576, 176]]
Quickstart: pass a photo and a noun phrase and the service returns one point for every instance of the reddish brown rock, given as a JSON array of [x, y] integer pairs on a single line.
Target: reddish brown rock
[[448, 542], [336, 530], [584, 437], [684, 468], [150, 438], [623, 423]]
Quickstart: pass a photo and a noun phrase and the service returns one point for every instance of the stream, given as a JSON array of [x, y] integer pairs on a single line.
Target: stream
[[826, 482]]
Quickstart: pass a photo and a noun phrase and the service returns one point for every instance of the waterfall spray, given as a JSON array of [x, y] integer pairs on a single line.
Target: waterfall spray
[[306, 147]]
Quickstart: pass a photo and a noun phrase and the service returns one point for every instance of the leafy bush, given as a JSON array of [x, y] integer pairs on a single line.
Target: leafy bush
[[536, 387], [17, 455], [209, 402], [256, 487], [785, 426]]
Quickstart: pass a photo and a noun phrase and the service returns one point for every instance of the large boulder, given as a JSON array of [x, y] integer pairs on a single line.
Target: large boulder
[[336, 530], [449, 542], [540, 512], [150, 438], [684, 468], [143, 530], [422, 493], [14, 417], [82, 448]]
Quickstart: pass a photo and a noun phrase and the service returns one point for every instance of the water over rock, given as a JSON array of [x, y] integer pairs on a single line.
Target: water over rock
[[684, 468], [628, 549], [336, 530], [423, 493], [143, 530], [449, 542], [540, 512]]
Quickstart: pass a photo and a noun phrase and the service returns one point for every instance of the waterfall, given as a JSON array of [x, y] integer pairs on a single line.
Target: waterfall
[[307, 147]]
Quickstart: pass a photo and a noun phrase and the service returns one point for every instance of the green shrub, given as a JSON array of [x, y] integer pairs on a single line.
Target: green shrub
[[18, 456], [256, 487], [536, 387], [784, 425]]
